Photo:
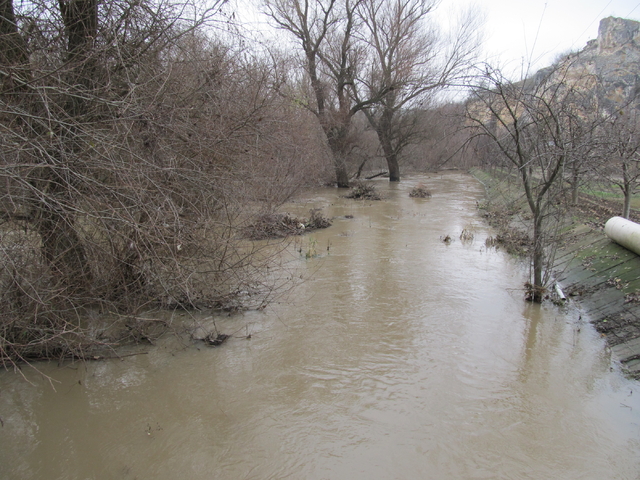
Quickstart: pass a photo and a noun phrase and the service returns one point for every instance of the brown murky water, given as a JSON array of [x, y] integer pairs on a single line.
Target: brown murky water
[[401, 358]]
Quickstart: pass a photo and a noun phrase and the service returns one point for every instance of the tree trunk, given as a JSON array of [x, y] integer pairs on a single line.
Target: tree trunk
[[13, 48], [14, 57], [63, 250], [538, 259], [626, 207], [394, 169], [626, 190], [574, 194], [389, 155], [61, 247], [337, 138], [575, 183], [80, 19], [342, 177], [383, 131], [131, 279]]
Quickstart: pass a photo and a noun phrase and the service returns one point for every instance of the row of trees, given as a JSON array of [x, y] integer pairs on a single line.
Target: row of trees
[[140, 138], [377, 58], [556, 132]]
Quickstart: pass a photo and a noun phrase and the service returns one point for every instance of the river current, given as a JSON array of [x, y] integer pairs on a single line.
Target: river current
[[399, 356]]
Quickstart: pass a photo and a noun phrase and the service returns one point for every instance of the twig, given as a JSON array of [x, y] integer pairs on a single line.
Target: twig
[[120, 357]]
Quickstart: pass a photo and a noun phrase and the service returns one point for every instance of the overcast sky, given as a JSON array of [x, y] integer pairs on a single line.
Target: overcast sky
[[520, 32], [517, 32]]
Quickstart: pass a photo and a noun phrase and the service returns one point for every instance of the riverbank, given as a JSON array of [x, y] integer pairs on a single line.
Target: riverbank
[[605, 279], [600, 275]]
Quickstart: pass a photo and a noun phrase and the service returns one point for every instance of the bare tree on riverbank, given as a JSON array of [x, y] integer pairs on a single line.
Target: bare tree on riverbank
[[326, 33], [417, 61], [619, 151], [376, 57], [529, 123]]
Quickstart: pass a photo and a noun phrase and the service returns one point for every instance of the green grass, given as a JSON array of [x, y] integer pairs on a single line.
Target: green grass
[[614, 195]]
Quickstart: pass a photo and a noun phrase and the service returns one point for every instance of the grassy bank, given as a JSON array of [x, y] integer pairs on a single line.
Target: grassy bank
[[602, 277]]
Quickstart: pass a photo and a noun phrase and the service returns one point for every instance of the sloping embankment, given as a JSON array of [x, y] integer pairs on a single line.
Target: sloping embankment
[[605, 279], [602, 276]]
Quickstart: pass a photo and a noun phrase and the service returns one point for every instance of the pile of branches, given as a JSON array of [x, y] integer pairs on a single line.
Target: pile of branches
[[363, 191], [420, 191], [274, 225], [317, 220], [514, 241], [282, 225]]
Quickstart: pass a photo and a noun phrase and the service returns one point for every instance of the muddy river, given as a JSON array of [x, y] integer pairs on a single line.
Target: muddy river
[[398, 357]]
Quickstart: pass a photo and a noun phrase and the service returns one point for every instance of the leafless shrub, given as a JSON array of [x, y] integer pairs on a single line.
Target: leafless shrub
[[363, 191], [420, 191], [317, 220], [135, 151]]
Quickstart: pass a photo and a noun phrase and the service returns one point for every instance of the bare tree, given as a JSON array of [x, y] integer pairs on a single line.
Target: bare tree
[[441, 140], [583, 157], [620, 153], [326, 31], [414, 62], [529, 123], [130, 139]]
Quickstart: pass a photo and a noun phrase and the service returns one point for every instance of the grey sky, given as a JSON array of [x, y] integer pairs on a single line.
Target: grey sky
[[523, 32]]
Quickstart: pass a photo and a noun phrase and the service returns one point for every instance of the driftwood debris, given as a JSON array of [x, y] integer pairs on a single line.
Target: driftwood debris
[[215, 339], [370, 177]]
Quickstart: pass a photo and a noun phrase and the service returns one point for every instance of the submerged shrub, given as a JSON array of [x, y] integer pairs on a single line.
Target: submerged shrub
[[420, 191], [363, 191]]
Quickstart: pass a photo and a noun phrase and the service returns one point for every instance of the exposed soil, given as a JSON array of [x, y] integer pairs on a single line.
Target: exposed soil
[[597, 211]]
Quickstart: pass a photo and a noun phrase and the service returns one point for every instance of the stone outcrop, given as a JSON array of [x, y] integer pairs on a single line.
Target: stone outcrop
[[606, 70], [610, 63]]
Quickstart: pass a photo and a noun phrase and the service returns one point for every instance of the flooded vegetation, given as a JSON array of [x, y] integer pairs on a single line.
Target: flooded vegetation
[[209, 311], [398, 355]]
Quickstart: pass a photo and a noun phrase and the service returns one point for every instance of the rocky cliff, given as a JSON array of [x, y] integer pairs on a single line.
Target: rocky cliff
[[610, 63]]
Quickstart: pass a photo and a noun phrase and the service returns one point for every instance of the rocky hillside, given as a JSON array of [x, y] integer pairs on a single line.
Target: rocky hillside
[[610, 64]]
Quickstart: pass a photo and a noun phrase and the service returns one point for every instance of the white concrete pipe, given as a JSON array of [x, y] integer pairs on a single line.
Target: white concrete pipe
[[624, 232]]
